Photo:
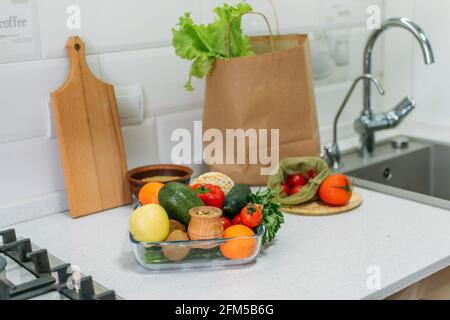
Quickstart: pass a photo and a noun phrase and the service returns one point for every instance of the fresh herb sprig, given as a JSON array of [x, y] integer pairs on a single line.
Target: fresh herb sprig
[[272, 216]]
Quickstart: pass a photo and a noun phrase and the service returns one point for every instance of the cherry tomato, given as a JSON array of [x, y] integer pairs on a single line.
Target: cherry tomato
[[236, 220], [295, 190], [226, 223], [286, 189], [297, 180], [312, 174], [251, 215]]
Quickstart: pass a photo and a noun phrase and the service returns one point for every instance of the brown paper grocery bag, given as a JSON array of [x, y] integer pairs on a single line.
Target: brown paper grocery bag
[[271, 90]]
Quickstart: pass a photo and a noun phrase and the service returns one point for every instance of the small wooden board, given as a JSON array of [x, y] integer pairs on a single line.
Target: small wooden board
[[318, 208], [90, 139]]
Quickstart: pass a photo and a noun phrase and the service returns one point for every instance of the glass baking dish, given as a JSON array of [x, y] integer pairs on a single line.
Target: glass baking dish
[[201, 253]]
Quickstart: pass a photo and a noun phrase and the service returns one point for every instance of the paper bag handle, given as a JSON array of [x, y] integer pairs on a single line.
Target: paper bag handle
[[275, 14], [272, 44]]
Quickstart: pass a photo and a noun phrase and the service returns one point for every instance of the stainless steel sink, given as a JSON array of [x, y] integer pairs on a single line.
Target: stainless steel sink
[[419, 171]]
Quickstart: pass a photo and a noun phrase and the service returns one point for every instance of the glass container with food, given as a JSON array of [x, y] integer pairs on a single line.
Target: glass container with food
[[166, 255]]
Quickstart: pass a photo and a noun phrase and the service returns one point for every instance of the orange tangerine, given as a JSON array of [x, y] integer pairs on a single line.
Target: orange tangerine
[[238, 249], [149, 193]]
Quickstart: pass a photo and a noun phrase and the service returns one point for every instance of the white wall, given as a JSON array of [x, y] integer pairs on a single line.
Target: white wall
[[404, 68], [128, 42], [431, 83], [398, 52]]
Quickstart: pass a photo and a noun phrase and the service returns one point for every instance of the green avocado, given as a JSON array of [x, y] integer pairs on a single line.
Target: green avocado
[[236, 200], [177, 199]]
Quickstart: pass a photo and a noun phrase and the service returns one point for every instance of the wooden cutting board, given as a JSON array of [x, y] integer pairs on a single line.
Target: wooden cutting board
[[90, 138], [318, 208]]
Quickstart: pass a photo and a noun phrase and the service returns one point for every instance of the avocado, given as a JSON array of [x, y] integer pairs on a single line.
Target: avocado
[[177, 199], [236, 200]]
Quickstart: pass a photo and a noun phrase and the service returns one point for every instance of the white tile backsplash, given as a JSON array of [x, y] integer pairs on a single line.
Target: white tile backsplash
[[345, 13], [297, 16], [23, 98], [252, 24], [130, 46], [112, 25], [430, 85], [166, 124], [27, 86], [19, 40], [161, 74], [130, 104], [293, 16], [29, 169], [141, 144]]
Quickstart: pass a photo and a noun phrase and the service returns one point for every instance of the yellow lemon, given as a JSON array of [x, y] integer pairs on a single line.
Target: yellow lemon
[[149, 223]]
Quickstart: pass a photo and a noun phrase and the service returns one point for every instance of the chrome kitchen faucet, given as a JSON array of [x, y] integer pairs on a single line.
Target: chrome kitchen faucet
[[368, 122], [332, 152]]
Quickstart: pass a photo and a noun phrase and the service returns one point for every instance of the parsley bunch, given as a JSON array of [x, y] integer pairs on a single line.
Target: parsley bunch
[[272, 216]]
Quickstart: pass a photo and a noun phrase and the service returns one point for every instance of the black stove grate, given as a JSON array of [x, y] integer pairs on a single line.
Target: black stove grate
[[37, 262], [2, 265]]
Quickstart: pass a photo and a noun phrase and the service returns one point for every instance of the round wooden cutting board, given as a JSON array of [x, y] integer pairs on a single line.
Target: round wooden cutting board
[[318, 208]]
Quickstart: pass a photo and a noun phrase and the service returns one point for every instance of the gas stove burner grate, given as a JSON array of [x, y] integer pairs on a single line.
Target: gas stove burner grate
[[48, 275], [2, 264]]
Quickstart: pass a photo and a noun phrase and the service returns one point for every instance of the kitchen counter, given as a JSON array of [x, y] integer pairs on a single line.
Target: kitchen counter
[[313, 258]]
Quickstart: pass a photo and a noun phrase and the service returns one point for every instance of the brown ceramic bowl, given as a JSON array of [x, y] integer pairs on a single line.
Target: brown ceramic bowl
[[136, 177]]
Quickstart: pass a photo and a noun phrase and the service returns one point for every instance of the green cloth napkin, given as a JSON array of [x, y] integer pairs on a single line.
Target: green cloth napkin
[[290, 166]]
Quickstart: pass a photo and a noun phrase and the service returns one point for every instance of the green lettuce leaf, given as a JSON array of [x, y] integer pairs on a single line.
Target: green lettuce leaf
[[203, 44]]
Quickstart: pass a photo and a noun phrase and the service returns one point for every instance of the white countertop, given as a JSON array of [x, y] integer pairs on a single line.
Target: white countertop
[[312, 258]]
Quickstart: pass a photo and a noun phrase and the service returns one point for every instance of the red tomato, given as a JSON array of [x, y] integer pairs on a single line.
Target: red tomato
[[336, 190], [226, 223], [251, 216], [312, 174], [286, 189], [295, 190], [237, 220], [297, 180]]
